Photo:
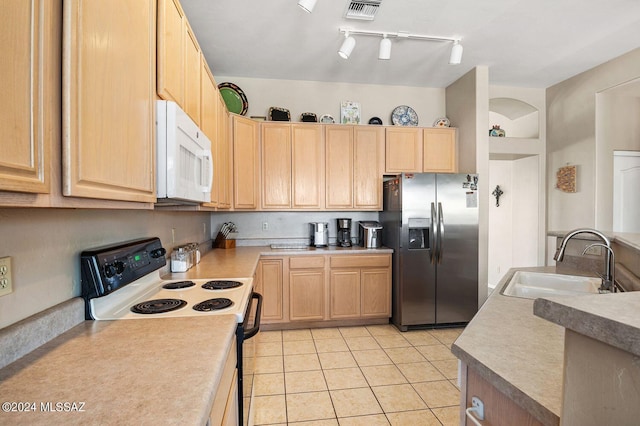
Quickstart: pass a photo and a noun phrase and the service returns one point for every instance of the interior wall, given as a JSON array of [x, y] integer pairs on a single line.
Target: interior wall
[[571, 139], [468, 109], [45, 247], [324, 98], [617, 128], [500, 221]]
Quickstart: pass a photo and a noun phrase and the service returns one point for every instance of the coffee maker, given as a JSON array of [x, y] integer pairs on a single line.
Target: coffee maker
[[344, 232]]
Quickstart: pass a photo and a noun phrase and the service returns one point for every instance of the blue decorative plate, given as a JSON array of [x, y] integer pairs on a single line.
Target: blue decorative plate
[[404, 116]]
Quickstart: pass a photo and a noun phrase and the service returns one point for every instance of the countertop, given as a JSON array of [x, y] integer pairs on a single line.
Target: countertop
[[610, 318], [518, 353], [153, 372], [240, 262]]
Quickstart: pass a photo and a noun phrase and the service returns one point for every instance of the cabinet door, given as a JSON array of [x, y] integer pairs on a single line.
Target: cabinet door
[[403, 150], [171, 45], [307, 154], [339, 161], [368, 166], [440, 150], [109, 99], [344, 294], [224, 153], [276, 166], [306, 295], [27, 87], [209, 122], [192, 76], [246, 163], [270, 285], [376, 293]]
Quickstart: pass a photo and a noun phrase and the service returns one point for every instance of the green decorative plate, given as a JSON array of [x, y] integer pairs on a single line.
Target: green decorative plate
[[234, 98]]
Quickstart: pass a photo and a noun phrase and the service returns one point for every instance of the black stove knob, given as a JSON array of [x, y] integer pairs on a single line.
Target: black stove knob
[[120, 266], [110, 270], [158, 252]]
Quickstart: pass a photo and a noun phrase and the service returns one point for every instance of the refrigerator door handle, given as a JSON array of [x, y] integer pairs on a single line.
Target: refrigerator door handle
[[433, 237], [440, 233]]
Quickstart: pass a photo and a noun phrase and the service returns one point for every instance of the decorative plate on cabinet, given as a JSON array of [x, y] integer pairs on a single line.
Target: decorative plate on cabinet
[[327, 119], [279, 114], [442, 122], [234, 98], [375, 120], [308, 117], [404, 116]]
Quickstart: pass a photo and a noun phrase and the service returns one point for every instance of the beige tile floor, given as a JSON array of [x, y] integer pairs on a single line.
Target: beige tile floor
[[372, 375]]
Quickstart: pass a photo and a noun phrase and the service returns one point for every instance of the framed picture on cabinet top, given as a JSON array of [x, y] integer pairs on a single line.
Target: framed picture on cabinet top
[[350, 112]]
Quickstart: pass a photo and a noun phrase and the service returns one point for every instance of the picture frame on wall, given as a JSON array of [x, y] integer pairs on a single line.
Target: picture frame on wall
[[350, 112]]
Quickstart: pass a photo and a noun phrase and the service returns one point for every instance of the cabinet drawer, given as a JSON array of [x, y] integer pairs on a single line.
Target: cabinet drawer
[[303, 262], [360, 261]]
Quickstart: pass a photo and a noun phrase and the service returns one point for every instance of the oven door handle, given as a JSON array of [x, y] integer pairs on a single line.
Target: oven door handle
[[248, 334]]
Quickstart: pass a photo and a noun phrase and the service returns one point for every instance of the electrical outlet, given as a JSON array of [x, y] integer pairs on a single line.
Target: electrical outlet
[[479, 406], [265, 226], [6, 282]]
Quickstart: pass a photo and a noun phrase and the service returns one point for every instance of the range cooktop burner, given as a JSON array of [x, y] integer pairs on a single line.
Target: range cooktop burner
[[213, 304], [158, 306], [220, 285], [178, 285]]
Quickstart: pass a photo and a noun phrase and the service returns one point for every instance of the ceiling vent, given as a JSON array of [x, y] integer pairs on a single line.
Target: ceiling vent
[[362, 9]]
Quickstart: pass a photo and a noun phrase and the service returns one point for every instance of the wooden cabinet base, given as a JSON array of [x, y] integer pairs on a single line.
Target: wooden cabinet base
[[323, 324]]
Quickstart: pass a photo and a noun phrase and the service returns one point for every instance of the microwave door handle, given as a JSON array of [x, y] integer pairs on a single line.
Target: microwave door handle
[[209, 157]]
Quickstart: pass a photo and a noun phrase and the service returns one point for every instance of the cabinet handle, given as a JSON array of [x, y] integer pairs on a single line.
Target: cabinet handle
[[471, 417]]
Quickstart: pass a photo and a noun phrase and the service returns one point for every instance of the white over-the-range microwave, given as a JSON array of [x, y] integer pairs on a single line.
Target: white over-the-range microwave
[[184, 166]]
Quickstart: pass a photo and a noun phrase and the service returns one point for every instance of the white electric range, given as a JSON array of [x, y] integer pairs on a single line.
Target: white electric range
[[122, 282]]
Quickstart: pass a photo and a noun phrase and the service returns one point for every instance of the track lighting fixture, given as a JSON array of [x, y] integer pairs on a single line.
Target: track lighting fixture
[[307, 5], [456, 53], [384, 51], [347, 46]]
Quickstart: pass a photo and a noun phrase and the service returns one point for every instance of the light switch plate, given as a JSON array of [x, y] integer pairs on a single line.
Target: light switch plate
[[6, 281]]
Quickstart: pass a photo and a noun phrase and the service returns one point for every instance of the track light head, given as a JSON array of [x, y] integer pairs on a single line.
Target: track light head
[[456, 53], [307, 5], [384, 52], [347, 46]]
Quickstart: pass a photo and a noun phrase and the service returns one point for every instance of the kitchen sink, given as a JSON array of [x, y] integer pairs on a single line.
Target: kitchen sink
[[531, 285]]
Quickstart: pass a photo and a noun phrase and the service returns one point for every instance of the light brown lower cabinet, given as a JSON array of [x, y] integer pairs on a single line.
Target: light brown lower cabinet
[[313, 289], [499, 409], [307, 288], [224, 410]]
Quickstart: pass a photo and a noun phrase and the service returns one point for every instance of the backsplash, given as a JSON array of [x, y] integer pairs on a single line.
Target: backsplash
[[284, 227]]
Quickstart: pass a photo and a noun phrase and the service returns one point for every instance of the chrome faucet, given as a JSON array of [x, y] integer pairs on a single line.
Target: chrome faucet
[[608, 279]]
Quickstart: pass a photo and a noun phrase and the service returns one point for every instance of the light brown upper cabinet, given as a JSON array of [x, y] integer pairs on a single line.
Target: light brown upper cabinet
[[192, 70], [275, 147], [354, 167], [224, 155], [292, 166], [179, 59], [308, 166], [440, 154], [209, 121], [416, 150], [171, 51], [29, 34], [246, 163], [109, 94]]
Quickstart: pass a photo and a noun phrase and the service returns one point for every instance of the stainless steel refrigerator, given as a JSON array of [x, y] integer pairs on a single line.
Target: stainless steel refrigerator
[[431, 222]]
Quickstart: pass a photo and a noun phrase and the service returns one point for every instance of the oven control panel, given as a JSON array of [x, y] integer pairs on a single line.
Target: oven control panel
[[105, 269]]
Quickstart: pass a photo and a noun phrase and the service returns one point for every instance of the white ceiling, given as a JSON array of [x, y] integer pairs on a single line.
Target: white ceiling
[[527, 43]]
